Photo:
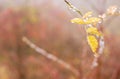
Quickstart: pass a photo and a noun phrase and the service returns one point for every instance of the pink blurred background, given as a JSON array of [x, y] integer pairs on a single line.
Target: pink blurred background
[[47, 24]]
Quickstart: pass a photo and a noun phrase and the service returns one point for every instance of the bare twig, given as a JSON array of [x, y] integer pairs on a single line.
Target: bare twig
[[50, 56], [73, 7]]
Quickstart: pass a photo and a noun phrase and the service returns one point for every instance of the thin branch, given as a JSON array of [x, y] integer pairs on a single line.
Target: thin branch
[[50, 56], [73, 7]]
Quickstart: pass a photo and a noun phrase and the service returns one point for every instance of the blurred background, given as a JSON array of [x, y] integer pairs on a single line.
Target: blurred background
[[47, 24]]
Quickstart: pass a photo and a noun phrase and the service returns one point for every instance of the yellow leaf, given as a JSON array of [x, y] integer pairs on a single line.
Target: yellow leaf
[[93, 20], [88, 14], [78, 21], [93, 43], [93, 31], [86, 21]]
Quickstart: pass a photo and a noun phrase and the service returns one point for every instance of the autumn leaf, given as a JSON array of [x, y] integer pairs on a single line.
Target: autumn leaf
[[78, 21], [93, 43], [88, 14], [86, 19], [93, 31]]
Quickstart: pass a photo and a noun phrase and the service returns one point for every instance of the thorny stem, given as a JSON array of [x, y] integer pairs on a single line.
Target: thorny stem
[[73, 7], [50, 56]]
